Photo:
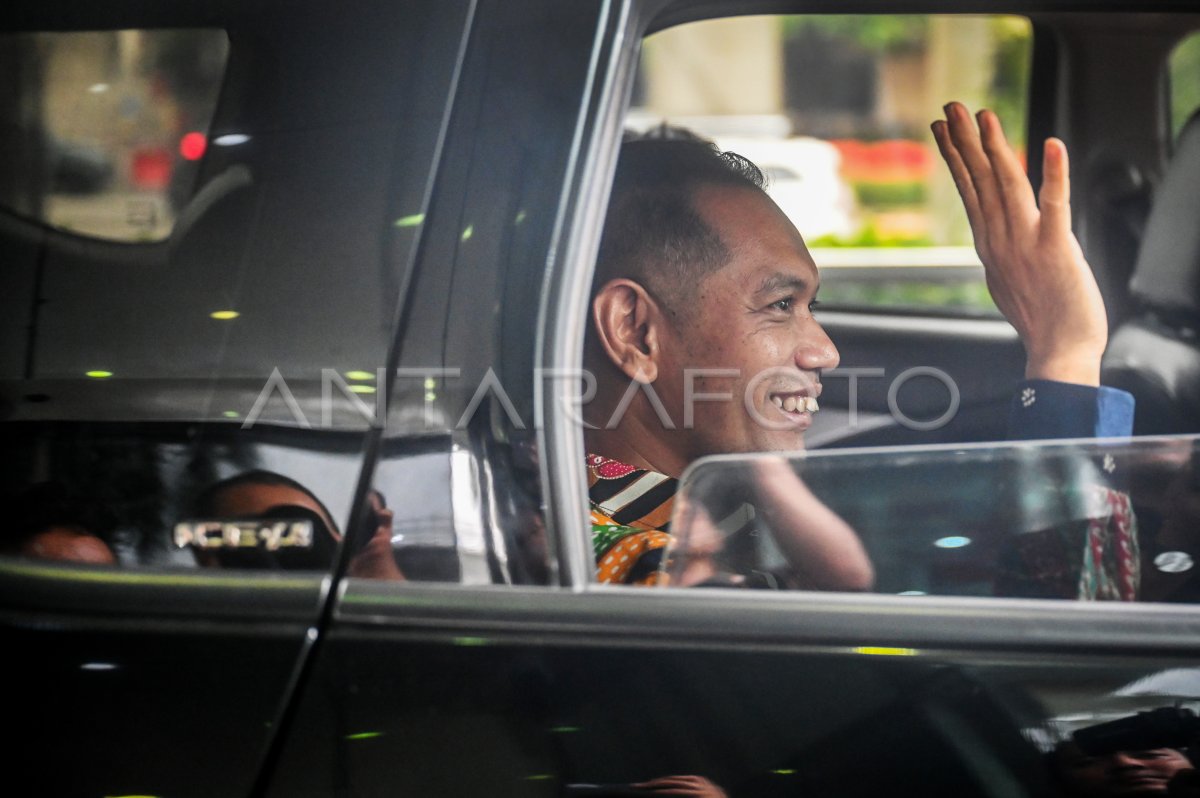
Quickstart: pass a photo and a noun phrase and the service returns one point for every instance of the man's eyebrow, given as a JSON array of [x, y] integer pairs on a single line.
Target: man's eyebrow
[[781, 281]]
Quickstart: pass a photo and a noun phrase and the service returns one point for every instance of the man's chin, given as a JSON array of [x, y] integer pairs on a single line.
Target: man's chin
[[782, 442]]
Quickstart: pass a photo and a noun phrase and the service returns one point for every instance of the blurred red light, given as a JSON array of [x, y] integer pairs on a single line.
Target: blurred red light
[[151, 168], [192, 145]]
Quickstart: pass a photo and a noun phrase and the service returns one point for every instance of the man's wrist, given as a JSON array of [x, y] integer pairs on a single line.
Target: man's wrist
[[1079, 369]]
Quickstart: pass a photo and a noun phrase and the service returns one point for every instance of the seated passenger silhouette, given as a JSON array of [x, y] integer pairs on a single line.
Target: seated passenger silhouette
[[267, 495], [48, 523]]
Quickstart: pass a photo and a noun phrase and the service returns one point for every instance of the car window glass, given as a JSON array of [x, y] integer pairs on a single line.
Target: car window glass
[[177, 495], [1184, 77], [458, 462], [836, 110], [1088, 521], [204, 400], [109, 127]]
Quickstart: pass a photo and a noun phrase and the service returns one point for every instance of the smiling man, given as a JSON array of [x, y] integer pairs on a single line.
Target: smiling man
[[703, 339], [730, 334]]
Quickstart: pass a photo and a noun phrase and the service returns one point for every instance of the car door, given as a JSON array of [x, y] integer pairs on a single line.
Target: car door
[[499, 666]]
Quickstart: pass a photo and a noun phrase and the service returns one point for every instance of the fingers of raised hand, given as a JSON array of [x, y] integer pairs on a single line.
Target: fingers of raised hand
[[1054, 198], [1015, 192], [966, 139], [958, 170]]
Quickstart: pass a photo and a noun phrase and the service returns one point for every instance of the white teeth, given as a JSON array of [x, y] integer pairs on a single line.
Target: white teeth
[[796, 404]]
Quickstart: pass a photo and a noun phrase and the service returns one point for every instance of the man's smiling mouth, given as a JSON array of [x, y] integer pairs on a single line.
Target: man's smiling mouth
[[795, 403]]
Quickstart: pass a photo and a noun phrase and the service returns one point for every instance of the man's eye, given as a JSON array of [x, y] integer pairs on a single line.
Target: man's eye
[[813, 305], [783, 304]]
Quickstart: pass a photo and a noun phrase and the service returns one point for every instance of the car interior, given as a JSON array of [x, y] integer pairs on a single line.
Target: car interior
[[286, 243], [1153, 352], [218, 252]]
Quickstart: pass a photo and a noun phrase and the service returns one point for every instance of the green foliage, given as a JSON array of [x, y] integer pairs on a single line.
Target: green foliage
[[870, 236], [877, 33], [1012, 36], [1185, 82], [1013, 60], [891, 193], [970, 298]]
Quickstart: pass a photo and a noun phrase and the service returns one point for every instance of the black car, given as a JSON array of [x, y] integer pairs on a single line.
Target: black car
[[372, 305]]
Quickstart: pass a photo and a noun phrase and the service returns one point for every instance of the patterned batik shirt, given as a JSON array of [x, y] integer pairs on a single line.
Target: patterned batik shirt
[[631, 515], [1094, 558]]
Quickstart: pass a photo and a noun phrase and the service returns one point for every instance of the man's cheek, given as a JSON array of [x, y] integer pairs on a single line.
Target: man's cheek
[[711, 397]]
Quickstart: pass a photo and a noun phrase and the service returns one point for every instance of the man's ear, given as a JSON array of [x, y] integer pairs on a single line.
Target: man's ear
[[628, 323]]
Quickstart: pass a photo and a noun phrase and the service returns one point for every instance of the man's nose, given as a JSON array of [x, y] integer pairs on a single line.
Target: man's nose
[[1123, 759], [816, 351]]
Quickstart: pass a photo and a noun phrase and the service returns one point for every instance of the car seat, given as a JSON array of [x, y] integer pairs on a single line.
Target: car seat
[[1155, 354]]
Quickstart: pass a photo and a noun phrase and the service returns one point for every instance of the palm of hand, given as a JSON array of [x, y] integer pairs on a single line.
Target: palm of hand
[[1034, 266]]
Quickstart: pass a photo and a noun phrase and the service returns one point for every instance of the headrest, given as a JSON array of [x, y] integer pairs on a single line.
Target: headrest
[[1161, 371], [1167, 274]]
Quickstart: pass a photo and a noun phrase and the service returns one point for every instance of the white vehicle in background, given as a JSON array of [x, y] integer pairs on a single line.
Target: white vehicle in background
[[804, 178], [803, 173]]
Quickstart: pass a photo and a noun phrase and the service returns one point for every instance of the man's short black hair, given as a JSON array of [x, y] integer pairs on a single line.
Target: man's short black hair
[[653, 233]]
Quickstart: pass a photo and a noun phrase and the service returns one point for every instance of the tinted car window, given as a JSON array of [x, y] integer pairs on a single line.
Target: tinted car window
[[1099, 521], [249, 341]]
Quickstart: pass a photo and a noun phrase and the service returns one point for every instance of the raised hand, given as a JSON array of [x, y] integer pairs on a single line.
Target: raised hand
[[1034, 266]]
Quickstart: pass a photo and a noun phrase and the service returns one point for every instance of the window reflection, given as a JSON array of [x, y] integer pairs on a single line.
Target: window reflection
[[177, 495], [1087, 521]]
